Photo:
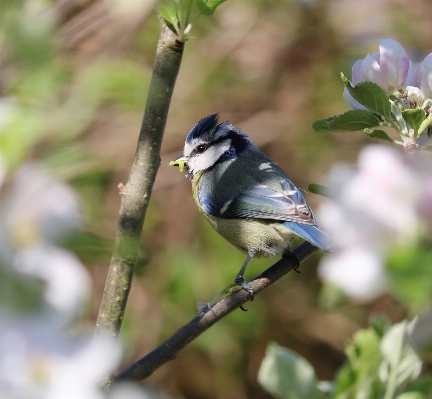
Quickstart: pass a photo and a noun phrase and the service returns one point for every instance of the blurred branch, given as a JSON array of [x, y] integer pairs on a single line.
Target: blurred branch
[[135, 195], [144, 367]]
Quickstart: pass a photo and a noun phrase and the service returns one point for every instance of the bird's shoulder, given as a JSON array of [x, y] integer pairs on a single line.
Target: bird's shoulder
[[251, 168]]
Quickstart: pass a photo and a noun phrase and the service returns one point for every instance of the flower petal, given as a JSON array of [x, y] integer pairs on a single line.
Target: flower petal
[[376, 57], [418, 74], [357, 76], [394, 63], [426, 80], [364, 278], [411, 73], [371, 71]]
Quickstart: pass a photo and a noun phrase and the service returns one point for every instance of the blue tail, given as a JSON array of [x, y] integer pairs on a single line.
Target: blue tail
[[312, 234]]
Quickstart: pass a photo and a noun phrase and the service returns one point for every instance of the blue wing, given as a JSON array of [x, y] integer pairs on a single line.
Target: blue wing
[[312, 234], [262, 202]]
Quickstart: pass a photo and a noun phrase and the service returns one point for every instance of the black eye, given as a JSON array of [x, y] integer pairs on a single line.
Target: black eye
[[201, 148]]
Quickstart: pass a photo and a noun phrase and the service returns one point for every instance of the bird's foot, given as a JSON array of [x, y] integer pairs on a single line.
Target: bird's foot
[[239, 280]]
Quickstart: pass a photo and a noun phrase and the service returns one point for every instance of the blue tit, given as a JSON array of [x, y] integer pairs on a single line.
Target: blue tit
[[245, 196]]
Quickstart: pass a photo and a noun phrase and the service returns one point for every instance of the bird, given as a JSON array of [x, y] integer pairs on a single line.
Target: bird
[[245, 196]]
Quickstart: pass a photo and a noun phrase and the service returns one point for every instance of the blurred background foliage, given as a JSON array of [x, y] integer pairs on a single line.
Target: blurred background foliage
[[73, 82]]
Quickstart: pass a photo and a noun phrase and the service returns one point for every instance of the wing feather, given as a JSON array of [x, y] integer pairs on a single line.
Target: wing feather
[[263, 202]]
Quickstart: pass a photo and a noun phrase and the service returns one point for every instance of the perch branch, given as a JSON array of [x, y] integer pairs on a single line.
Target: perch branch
[[144, 367]]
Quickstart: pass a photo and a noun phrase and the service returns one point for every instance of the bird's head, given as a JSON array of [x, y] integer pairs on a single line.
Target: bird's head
[[210, 143]]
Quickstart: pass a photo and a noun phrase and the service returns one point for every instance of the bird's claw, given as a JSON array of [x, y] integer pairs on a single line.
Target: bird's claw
[[293, 255], [246, 286]]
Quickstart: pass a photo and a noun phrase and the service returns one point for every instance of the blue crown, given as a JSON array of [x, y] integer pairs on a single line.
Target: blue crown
[[204, 125]]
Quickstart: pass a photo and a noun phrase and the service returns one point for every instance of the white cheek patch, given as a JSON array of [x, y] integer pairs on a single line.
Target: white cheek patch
[[208, 158]]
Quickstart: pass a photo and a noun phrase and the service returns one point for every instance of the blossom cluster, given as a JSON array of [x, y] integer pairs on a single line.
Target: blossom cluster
[[393, 71], [386, 201]]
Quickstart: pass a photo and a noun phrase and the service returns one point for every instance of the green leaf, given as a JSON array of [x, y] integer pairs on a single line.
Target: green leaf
[[352, 120], [411, 395], [168, 10], [358, 376], [378, 134], [321, 125], [409, 287], [414, 117], [423, 386], [286, 375], [208, 7], [380, 325], [184, 13], [401, 363], [319, 189], [425, 124], [371, 96]]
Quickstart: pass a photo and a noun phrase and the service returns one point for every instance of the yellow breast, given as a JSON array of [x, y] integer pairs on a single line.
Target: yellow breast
[[270, 238]]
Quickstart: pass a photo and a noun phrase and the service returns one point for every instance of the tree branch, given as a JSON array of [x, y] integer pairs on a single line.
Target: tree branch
[[144, 367], [135, 195]]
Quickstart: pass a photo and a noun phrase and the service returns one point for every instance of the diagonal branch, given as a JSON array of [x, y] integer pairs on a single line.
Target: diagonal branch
[[144, 367], [135, 195]]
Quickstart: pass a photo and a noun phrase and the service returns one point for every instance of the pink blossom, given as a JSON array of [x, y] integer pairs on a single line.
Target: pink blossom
[[396, 68], [423, 77], [383, 203], [390, 69]]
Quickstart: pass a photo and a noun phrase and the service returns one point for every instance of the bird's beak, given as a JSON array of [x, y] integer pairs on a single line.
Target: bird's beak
[[180, 162]]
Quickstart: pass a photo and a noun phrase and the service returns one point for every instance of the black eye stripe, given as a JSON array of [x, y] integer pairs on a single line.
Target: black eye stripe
[[230, 135], [206, 146]]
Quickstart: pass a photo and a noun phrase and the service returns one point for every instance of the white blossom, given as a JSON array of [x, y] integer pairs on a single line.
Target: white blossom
[[375, 207], [390, 68]]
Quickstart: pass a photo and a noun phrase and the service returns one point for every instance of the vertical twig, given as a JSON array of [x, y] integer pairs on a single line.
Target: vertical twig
[[135, 195]]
